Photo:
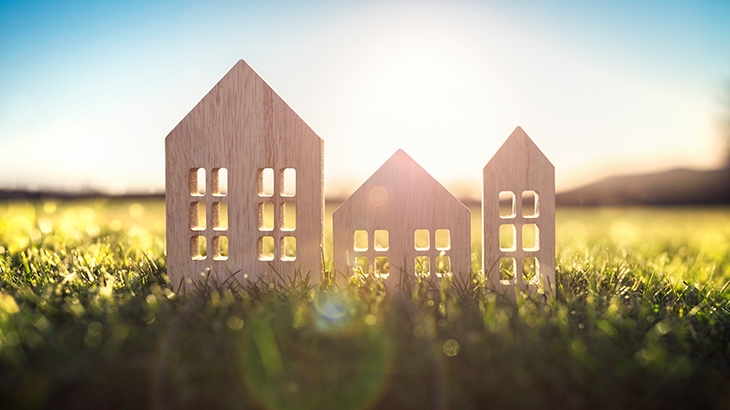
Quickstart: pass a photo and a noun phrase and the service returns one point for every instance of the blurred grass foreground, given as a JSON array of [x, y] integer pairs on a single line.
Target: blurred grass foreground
[[88, 320]]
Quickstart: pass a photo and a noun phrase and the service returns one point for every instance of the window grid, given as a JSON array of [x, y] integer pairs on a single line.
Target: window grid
[[277, 213], [522, 229], [369, 248], [431, 247], [207, 196]]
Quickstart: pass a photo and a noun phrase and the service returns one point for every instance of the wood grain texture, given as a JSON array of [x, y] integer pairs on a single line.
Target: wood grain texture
[[244, 126], [519, 166], [400, 198]]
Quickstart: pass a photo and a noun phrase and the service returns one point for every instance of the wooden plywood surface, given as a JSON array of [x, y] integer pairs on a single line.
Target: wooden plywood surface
[[243, 126], [519, 168], [402, 198]]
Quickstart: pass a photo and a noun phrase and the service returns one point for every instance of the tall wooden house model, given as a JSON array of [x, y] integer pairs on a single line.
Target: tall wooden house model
[[402, 222], [518, 216], [244, 185]]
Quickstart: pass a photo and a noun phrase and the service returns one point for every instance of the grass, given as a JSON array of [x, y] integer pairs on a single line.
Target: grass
[[88, 320]]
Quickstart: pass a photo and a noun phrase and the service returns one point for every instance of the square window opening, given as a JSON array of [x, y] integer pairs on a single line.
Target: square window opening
[[266, 181], [266, 248], [361, 266], [220, 248], [422, 240], [506, 270], [530, 204], [382, 267], [219, 217], [196, 181], [531, 270], [288, 182], [197, 216], [266, 216], [442, 239], [360, 241], [530, 238], [219, 178], [443, 265], [507, 204], [288, 216], [381, 240], [507, 238], [288, 248], [198, 248], [422, 267]]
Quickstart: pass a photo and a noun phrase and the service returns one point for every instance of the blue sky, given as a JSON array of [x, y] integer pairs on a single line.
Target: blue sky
[[89, 90]]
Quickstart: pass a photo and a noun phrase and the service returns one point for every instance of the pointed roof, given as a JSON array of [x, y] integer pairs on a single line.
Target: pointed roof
[[405, 176], [242, 95], [518, 149], [519, 142]]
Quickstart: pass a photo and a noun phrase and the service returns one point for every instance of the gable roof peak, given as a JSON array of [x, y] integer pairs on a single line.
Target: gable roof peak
[[401, 159], [517, 147], [244, 65], [521, 142], [519, 133], [400, 153]]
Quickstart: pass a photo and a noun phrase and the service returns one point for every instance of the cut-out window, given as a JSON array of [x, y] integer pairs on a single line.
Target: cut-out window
[[422, 239], [423, 266], [219, 178], [197, 216], [381, 241], [288, 216], [506, 270], [507, 204], [442, 239], [530, 204], [266, 181], [507, 235], [288, 248], [360, 241], [219, 216], [382, 267], [196, 181], [530, 237], [288, 182], [198, 247], [361, 266], [266, 248], [443, 265], [531, 270], [266, 216], [220, 248]]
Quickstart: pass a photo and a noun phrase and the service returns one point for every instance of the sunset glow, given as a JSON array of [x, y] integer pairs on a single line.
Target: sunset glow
[[88, 92]]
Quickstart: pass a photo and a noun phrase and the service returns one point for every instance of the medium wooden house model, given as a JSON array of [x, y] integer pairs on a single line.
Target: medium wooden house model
[[518, 216], [401, 221], [244, 186]]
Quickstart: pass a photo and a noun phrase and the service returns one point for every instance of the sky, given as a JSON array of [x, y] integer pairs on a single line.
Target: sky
[[89, 90]]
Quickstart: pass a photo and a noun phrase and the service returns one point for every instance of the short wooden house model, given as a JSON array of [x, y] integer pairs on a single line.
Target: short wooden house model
[[518, 216], [401, 221], [244, 185]]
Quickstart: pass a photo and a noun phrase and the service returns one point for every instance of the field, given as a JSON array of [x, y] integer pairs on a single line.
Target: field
[[88, 320]]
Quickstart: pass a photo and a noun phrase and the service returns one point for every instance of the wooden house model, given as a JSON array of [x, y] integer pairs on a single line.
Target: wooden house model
[[518, 217], [244, 185], [402, 222]]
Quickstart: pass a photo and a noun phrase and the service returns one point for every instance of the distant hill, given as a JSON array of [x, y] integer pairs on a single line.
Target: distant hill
[[670, 188]]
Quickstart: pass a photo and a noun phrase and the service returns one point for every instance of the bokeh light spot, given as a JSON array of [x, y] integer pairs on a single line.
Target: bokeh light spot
[[378, 196], [450, 347]]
